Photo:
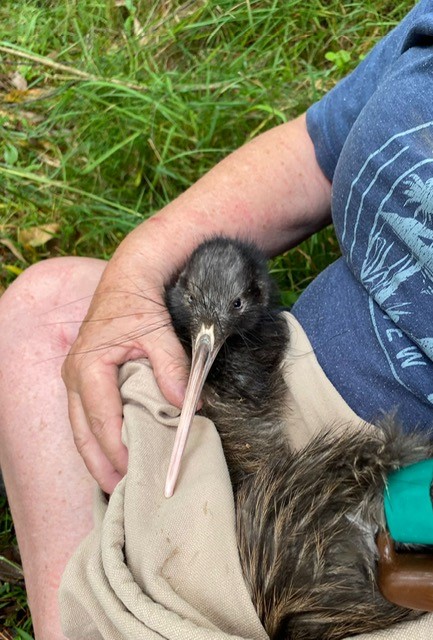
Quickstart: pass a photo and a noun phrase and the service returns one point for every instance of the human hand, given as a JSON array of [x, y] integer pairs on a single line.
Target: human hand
[[127, 319]]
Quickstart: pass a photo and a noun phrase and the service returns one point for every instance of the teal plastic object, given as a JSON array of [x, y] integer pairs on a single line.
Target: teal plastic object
[[408, 505]]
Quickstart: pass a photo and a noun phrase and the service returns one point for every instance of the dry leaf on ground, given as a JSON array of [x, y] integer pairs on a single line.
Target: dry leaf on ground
[[37, 236]]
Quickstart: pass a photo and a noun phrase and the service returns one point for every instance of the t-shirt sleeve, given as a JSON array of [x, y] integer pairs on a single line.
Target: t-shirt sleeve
[[330, 120]]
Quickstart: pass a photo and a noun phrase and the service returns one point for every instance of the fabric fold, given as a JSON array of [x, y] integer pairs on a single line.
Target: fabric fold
[[155, 567]]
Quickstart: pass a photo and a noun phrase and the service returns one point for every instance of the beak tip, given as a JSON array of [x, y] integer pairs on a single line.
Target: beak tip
[[169, 484]]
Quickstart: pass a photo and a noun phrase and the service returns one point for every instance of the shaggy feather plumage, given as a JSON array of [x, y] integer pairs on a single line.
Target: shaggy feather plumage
[[305, 521]]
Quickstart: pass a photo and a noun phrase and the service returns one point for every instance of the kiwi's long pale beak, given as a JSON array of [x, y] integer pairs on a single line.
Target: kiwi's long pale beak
[[204, 352]]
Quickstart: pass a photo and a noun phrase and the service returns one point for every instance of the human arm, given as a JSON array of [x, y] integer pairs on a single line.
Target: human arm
[[271, 191]]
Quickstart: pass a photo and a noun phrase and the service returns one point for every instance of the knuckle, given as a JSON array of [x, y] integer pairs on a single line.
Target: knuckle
[[65, 370], [175, 368], [69, 371], [97, 426], [81, 443], [104, 480], [76, 370]]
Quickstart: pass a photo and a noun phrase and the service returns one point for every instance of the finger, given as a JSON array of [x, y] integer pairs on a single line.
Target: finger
[[170, 366], [89, 448], [102, 405]]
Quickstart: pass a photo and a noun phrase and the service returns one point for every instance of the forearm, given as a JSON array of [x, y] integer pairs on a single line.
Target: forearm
[[271, 191]]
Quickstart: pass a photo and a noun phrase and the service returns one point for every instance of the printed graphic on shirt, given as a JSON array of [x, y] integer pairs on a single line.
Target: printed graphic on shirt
[[390, 249]]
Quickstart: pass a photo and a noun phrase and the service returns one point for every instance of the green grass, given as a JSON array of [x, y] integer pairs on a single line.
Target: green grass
[[126, 106], [14, 614]]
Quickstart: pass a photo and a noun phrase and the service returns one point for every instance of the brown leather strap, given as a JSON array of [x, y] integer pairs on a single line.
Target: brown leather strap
[[405, 578]]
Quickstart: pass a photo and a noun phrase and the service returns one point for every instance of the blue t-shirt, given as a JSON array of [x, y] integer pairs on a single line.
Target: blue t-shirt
[[369, 316]]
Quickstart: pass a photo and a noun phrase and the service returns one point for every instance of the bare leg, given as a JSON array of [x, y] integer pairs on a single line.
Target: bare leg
[[49, 489]]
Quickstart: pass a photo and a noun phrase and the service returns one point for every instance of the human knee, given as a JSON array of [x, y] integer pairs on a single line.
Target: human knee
[[52, 296], [49, 284]]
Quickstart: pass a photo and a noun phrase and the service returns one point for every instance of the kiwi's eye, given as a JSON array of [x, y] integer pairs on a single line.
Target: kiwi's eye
[[189, 298], [237, 304]]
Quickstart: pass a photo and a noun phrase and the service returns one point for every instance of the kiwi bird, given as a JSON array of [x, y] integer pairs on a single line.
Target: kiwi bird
[[307, 521]]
